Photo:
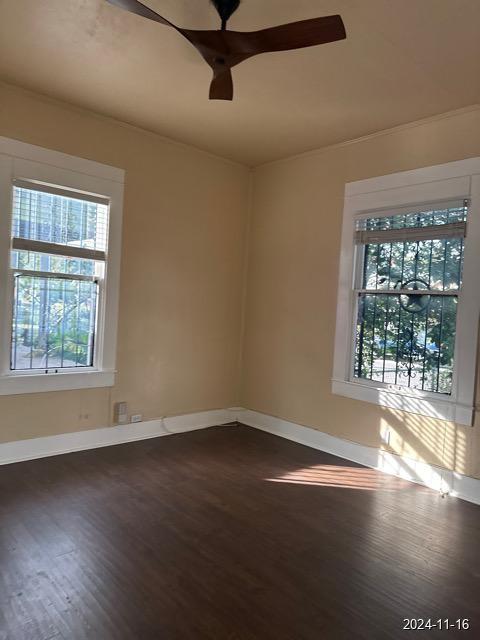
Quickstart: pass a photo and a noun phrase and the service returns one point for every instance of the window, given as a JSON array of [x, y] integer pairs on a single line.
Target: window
[[408, 302], [409, 277], [57, 265], [60, 275]]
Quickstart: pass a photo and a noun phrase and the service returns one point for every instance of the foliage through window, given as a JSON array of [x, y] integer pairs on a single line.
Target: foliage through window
[[408, 279], [58, 261]]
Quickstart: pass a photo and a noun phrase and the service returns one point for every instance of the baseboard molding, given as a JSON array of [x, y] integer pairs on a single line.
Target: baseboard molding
[[21, 450], [447, 482], [450, 482]]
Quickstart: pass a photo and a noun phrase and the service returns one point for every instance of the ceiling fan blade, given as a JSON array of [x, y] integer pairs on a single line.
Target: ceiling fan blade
[[141, 10], [296, 35], [222, 85], [224, 49]]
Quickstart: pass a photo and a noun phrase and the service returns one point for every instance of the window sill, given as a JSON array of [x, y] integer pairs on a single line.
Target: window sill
[[422, 404], [16, 384]]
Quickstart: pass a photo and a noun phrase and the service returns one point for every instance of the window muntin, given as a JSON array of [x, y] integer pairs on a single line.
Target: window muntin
[[408, 279], [57, 262]]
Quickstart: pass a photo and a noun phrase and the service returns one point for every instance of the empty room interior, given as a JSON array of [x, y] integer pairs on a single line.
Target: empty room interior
[[239, 319]]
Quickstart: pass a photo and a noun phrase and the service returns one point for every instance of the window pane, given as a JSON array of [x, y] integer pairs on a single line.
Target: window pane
[[426, 264], [53, 323], [406, 340], [59, 219]]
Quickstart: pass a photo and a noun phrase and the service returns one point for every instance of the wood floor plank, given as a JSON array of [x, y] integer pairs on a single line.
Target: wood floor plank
[[228, 534]]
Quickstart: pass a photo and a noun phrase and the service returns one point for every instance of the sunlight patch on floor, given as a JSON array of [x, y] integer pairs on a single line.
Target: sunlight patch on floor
[[325, 475]]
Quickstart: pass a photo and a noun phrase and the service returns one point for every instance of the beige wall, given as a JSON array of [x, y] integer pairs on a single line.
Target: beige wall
[[292, 286], [182, 265], [185, 223]]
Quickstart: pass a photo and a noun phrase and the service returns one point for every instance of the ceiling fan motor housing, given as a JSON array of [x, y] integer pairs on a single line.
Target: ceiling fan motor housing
[[226, 8]]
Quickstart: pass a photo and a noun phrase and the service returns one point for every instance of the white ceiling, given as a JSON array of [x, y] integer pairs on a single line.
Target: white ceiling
[[402, 60]]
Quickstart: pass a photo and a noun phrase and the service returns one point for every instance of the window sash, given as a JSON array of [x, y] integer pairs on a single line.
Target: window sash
[[33, 185], [421, 367], [54, 275], [49, 367], [97, 328], [67, 251]]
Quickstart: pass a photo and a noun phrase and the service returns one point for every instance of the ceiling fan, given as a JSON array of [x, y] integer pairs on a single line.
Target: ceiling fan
[[224, 49]]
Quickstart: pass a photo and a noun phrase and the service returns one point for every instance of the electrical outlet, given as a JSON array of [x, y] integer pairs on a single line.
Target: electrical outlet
[[136, 418]]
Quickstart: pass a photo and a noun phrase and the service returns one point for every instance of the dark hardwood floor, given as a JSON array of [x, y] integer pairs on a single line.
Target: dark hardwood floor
[[228, 534]]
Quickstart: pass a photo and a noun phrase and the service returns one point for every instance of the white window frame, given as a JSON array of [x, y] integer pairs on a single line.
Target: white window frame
[[451, 181], [21, 161]]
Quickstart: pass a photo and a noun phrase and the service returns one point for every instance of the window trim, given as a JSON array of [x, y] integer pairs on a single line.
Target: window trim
[[454, 180], [21, 161]]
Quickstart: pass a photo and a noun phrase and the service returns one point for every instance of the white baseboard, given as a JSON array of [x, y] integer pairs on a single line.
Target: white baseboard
[[455, 484], [22, 450], [431, 476]]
